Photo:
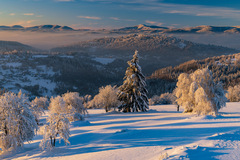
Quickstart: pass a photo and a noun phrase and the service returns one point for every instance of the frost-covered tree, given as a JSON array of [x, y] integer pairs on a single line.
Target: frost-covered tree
[[57, 124], [74, 105], [17, 123], [202, 105], [106, 98], [182, 92], [38, 105], [233, 93], [165, 98], [199, 94], [133, 92], [87, 98]]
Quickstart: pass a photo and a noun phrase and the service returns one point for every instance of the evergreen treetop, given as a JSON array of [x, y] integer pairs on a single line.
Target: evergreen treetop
[[133, 92]]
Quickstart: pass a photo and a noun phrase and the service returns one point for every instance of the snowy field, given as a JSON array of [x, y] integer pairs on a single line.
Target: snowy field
[[161, 133]]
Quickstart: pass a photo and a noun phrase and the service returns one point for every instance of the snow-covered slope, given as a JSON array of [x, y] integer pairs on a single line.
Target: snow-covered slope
[[198, 29], [160, 50], [161, 133], [45, 28]]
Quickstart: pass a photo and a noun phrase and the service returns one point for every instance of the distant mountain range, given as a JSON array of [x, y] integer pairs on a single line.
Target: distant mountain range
[[198, 29], [142, 28], [37, 28]]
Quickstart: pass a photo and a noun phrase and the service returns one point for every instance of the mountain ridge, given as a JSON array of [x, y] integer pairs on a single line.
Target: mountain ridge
[[48, 27], [141, 28]]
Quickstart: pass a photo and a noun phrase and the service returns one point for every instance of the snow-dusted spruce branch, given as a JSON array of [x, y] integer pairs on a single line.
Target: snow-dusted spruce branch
[[133, 92]]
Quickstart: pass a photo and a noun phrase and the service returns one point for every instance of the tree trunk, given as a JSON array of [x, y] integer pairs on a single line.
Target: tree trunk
[[51, 140], [54, 141], [106, 108]]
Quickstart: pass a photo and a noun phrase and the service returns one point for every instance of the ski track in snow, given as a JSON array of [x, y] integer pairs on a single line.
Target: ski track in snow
[[161, 133]]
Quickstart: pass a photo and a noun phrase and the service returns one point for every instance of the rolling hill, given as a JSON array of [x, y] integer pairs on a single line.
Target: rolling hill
[[159, 50], [7, 47]]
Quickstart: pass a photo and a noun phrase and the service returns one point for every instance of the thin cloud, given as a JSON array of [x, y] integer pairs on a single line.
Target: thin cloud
[[12, 14], [174, 8], [154, 23], [25, 23], [64, 0], [115, 18], [28, 14], [89, 17], [193, 10], [130, 20]]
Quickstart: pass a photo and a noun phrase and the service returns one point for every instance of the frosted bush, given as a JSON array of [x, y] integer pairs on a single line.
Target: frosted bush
[[73, 100], [165, 98], [38, 105], [106, 98], [86, 99], [233, 93], [71, 105], [155, 100]]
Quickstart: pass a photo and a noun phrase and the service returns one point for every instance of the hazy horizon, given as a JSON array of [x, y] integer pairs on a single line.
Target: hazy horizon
[[48, 40], [97, 14]]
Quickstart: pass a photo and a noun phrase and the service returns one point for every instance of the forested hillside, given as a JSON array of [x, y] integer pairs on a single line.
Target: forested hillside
[[225, 68], [156, 51], [9, 47]]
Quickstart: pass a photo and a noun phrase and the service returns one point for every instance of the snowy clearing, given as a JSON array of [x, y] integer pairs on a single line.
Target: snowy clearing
[[104, 60], [161, 133]]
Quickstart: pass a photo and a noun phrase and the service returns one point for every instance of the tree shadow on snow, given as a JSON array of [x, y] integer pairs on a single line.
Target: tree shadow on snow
[[96, 142], [233, 136]]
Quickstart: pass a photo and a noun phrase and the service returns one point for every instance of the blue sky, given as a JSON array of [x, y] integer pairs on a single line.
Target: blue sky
[[120, 13]]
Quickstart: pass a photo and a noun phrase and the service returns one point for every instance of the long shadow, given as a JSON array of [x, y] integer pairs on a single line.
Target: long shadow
[[134, 138], [132, 121], [234, 136], [170, 124], [128, 115]]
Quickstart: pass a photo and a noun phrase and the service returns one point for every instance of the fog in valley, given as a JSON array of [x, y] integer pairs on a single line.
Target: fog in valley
[[48, 40], [221, 39]]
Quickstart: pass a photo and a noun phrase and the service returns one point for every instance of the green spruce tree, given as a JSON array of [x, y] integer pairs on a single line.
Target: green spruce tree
[[133, 92]]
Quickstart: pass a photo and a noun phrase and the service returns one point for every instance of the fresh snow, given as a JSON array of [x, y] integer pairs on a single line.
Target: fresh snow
[[13, 64], [40, 56], [181, 45], [161, 133], [104, 60]]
